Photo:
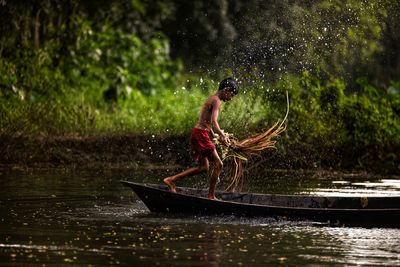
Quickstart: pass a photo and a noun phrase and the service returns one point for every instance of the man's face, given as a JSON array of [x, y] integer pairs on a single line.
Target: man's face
[[227, 95]]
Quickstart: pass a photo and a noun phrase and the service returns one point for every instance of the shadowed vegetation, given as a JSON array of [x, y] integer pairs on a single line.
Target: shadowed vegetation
[[84, 68]]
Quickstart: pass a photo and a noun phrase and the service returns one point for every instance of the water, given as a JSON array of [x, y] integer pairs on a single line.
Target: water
[[87, 218]]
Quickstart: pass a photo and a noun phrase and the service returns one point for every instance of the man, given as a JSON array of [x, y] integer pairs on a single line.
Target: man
[[201, 144]]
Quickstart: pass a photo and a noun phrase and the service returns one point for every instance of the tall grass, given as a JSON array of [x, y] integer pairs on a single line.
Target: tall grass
[[170, 111]]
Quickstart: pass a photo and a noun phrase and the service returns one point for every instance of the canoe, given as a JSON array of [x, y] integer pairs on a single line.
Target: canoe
[[383, 211]]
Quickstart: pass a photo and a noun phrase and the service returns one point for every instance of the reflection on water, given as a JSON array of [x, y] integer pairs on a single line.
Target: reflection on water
[[381, 187], [367, 246], [90, 219]]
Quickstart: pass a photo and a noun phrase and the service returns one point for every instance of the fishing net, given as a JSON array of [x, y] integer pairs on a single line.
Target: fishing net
[[239, 152]]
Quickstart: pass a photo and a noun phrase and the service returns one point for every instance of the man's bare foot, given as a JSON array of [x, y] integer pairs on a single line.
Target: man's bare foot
[[171, 185], [213, 198]]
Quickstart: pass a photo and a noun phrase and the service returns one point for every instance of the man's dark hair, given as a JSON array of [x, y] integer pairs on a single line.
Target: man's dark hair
[[229, 83]]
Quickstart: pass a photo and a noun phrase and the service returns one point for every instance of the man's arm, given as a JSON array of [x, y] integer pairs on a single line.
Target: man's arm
[[214, 120]]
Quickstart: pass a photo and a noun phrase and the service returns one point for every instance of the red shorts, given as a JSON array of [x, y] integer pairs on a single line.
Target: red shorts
[[201, 144]]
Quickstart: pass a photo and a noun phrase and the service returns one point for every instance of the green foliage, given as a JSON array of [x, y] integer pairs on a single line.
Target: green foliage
[[107, 70], [314, 110], [76, 68], [123, 61], [350, 36], [371, 118], [340, 38], [321, 113]]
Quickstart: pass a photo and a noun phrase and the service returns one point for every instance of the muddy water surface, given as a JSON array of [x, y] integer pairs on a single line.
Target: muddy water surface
[[55, 217]]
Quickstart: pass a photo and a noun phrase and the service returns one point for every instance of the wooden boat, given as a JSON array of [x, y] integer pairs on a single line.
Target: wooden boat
[[364, 211]]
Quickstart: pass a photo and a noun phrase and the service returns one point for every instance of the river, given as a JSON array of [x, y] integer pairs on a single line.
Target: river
[[87, 218]]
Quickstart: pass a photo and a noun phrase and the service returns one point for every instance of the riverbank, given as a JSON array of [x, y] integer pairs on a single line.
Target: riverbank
[[103, 151], [128, 151]]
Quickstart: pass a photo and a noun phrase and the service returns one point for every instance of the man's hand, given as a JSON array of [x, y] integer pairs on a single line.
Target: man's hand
[[225, 140]]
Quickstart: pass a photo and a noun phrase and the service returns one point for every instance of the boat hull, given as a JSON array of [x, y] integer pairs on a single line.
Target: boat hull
[[320, 209]]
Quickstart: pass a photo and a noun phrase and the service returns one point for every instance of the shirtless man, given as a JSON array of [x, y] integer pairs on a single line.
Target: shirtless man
[[201, 144]]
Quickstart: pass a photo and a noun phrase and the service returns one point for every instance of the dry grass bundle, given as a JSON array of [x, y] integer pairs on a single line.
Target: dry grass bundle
[[239, 152]]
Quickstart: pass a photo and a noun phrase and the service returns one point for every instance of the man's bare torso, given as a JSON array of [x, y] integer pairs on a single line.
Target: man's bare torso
[[211, 105]]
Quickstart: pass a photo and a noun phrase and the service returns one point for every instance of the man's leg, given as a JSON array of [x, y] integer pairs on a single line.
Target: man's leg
[[215, 174], [203, 166]]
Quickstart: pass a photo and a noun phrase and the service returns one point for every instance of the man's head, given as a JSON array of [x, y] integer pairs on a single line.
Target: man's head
[[228, 89]]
